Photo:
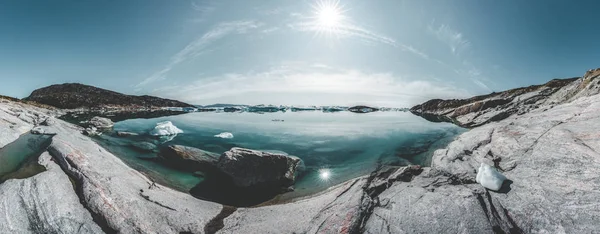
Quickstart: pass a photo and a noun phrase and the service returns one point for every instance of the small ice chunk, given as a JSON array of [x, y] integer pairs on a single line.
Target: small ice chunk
[[225, 135], [165, 129], [489, 177]]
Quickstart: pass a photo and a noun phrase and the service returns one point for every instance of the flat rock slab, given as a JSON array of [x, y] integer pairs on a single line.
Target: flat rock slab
[[44, 203], [126, 199], [552, 159], [333, 211]]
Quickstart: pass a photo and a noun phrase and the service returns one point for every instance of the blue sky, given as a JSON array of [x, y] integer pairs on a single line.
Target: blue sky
[[379, 52]]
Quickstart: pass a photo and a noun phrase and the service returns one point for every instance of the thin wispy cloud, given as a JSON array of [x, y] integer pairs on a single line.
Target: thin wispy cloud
[[459, 46], [354, 31], [203, 7], [455, 40], [271, 11], [201, 46], [270, 30]]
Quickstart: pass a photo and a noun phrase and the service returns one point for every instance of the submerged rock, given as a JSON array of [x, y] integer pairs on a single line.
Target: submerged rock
[[144, 146], [189, 158], [489, 177], [126, 134], [251, 168]]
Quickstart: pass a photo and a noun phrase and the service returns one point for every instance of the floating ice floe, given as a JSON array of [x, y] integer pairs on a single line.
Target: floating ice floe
[[489, 177], [165, 129], [225, 135]]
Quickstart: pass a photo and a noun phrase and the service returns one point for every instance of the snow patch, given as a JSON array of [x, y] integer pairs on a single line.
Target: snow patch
[[165, 129], [224, 135], [489, 177]]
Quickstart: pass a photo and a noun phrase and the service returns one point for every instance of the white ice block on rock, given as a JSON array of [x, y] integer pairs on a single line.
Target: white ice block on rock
[[165, 129], [489, 177]]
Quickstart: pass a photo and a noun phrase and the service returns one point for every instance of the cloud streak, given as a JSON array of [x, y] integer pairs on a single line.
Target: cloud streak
[[454, 39], [350, 30], [459, 46], [200, 46]]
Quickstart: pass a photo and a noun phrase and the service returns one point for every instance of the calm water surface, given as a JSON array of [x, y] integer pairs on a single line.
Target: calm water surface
[[19, 158], [345, 145]]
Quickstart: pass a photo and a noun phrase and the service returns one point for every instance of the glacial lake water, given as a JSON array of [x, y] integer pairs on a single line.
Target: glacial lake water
[[345, 145], [19, 158]]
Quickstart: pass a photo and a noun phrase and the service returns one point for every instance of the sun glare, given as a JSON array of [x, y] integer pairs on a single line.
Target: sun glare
[[324, 174], [328, 16]]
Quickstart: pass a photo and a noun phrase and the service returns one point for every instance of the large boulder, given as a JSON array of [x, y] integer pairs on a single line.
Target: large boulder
[[252, 168], [101, 123], [189, 158]]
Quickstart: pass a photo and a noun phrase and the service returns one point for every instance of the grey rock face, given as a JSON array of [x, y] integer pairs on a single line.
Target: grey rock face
[[45, 203], [37, 130], [48, 121], [127, 201], [480, 110], [12, 126], [550, 156], [189, 158], [250, 168], [436, 203], [101, 123], [337, 210], [91, 131]]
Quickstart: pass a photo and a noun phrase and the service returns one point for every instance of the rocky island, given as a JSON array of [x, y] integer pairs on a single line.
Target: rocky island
[[82, 102], [544, 139]]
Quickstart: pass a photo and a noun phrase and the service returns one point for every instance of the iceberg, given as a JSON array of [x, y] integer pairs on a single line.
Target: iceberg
[[165, 129], [489, 177], [224, 135]]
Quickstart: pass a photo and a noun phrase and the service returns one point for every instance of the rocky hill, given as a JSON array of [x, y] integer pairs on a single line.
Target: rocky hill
[[74, 95], [479, 110]]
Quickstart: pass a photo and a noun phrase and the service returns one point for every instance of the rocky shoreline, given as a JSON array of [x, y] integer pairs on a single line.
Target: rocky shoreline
[[480, 110], [550, 155]]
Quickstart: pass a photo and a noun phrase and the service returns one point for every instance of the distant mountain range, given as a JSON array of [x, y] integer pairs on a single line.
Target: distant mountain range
[[74, 95], [220, 105], [284, 108]]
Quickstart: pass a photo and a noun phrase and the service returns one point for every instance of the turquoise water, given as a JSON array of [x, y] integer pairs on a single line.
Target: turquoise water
[[344, 144], [19, 158]]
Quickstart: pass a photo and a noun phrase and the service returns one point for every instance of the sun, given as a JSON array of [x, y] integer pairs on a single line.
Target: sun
[[328, 16]]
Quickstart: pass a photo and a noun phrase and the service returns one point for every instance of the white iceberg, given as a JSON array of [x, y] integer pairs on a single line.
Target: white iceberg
[[224, 135], [165, 129], [489, 177]]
